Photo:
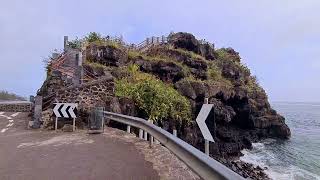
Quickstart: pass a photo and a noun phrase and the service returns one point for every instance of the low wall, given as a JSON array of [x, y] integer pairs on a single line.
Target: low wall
[[15, 106], [88, 95]]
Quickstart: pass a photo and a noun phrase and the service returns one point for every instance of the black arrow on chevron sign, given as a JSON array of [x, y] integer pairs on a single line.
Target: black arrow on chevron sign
[[66, 110]]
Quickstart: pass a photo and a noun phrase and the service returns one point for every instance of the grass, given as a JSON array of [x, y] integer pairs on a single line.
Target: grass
[[190, 54], [94, 65]]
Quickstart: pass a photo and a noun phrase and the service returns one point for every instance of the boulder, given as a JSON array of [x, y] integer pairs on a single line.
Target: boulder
[[188, 42], [166, 71], [108, 55]]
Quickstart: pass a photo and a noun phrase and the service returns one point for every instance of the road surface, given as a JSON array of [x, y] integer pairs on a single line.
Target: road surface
[[41, 155]]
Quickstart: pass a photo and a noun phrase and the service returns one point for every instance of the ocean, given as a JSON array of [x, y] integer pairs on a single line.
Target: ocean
[[297, 158]]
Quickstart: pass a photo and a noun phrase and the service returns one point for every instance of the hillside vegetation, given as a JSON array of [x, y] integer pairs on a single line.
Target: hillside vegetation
[[6, 96]]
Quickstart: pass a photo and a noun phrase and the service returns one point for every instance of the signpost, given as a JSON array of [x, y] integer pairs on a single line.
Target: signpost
[[65, 110], [201, 121]]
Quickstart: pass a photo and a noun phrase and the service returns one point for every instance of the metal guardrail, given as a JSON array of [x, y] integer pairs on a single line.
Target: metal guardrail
[[206, 167]]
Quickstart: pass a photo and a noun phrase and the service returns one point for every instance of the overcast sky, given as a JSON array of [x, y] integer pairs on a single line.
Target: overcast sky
[[278, 40]]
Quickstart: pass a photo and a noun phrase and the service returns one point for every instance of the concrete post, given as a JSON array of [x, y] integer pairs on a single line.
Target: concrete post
[[128, 129], [147, 41], [65, 42], [31, 98], [37, 112], [206, 142]]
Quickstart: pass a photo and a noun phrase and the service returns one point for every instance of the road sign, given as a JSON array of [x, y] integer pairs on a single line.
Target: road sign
[[65, 110], [201, 121]]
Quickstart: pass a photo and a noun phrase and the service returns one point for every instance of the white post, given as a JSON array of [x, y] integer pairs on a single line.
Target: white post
[[206, 142], [56, 124], [74, 125], [175, 132], [145, 135], [140, 133], [128, 129], [151, 137]]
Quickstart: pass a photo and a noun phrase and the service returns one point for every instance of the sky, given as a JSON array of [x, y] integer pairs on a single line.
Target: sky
[[278, 40]]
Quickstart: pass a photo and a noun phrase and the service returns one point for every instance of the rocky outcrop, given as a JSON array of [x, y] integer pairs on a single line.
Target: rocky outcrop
[[188, 42], [242, 114], [106, 54]]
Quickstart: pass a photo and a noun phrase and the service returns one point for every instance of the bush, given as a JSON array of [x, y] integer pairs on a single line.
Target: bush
[[4, 95], [157, 100], [93, 37]]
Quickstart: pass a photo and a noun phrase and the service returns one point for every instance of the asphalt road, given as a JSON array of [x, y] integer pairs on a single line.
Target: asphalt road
[[41, 155]]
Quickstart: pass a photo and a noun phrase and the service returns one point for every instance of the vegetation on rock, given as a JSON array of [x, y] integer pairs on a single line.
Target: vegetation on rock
[[156, 99], [5, 95]]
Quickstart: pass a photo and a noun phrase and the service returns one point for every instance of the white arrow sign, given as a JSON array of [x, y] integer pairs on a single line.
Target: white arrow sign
[[65, 110], [201, 118]]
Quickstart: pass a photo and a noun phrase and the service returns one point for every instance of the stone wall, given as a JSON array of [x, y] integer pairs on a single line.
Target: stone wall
[[15, 107], [88, 95]]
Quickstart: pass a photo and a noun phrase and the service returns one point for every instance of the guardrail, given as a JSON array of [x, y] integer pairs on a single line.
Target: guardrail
[[206, 167]]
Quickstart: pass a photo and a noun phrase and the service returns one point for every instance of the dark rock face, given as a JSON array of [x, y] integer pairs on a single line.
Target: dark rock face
[[166, 71], [185, 41], [107, 55], [197, 67], [188, 42]]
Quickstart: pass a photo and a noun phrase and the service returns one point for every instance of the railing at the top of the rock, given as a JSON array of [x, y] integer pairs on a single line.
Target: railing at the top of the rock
[[148, 42]]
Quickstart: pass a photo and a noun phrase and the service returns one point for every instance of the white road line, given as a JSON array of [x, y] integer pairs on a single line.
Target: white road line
[[4, 130], [15, 114], [11, 121], [1, 112]]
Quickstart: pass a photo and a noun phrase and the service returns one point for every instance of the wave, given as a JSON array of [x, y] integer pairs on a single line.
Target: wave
[[275, 168]]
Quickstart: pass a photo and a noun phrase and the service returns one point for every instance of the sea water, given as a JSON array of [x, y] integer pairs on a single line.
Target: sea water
[[297, 158]]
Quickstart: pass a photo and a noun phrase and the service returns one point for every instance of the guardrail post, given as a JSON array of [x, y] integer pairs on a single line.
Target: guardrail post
[[151, 137], [128, 129], [140, 133], [145, 136], [206, 142], [175, 132], [207, 146]]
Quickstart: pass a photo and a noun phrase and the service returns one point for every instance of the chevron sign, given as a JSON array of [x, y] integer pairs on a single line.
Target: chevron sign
[[65, 110]]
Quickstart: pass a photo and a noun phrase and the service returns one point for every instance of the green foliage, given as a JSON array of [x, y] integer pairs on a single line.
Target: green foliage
[[4, 95], [75, 43], [93, 37], [222, 54], [94, 65], [253, 85], [190, 54], [214, 74], [156, 99], [132, 54]]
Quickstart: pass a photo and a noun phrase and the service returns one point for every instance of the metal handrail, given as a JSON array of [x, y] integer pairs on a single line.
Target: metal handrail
[[206, 167]]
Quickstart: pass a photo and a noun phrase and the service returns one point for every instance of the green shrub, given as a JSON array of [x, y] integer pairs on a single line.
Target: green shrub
[[190, 54], [94, 65], [253, 85], [93, 37], [132, 54], [157, 100]]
